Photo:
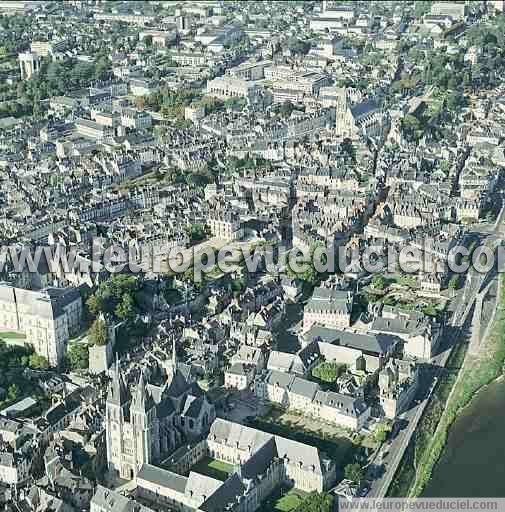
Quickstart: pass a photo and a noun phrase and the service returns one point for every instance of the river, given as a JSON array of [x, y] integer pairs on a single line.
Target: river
[[473, 462]]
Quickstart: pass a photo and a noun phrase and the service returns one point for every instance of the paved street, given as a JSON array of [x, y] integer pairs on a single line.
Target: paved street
[[381, 472]]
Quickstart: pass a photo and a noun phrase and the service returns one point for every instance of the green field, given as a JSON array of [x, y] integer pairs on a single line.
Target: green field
[[213, 468], [11, 335]]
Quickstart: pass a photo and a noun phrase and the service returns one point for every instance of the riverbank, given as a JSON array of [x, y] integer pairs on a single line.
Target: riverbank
[[405, 476], [477, 372], [472, 461]]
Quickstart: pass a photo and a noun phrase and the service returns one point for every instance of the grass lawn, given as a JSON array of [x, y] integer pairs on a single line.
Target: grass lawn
[[213, 468], [11, 335], [283, 500], [288, 502], [337, 443]]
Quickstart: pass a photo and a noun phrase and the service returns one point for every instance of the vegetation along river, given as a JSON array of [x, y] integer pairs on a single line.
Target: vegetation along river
[[473, 462]]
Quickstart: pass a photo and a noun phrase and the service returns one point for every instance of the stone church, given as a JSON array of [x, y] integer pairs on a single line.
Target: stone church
[[146, 422]]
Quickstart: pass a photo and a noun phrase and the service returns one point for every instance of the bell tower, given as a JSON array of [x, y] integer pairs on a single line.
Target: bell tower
[[116, 416]]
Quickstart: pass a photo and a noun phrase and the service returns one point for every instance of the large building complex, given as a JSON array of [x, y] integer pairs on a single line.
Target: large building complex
[[48, 318]]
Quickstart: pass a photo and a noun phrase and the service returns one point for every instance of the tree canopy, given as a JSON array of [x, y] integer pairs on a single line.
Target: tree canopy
[[316, 502], [38, 362], [78, 356], [354, 472], [116, 296], [328, 371], [197, 232], [98, 332]]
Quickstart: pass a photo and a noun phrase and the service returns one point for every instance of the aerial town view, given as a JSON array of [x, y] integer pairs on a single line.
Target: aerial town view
[[251, 255]]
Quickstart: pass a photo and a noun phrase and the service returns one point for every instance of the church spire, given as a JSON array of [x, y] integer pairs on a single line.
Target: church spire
[[118, 392], [142, 400]]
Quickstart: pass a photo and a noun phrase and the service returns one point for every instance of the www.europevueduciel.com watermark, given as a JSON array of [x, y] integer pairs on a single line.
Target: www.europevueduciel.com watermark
[[278, 260], [419, 504]]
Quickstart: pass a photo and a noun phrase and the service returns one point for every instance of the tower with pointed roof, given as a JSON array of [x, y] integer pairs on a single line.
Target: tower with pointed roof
[[144, 424], [117, 410]]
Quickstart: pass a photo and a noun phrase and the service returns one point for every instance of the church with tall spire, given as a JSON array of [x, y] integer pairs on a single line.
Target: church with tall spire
[[150, 413]]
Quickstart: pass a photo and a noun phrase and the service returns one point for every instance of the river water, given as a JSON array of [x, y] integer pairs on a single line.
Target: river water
[[473, 462]]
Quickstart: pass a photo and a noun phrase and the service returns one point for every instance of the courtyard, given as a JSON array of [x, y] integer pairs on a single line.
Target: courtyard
[[213, 468], [340, 444], [283, 500]]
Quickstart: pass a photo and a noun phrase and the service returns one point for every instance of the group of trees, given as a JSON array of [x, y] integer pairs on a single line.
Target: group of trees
[[328, 371], [378, 282], [14, 359], [305, 269], [116, 296], [298, 46], [354, 472], [197, 233], [53, 79], [77, 356], [285, 109], [235, 164], [452, 73], [316, 502], [15, 32], [171, 102], [15, 356]]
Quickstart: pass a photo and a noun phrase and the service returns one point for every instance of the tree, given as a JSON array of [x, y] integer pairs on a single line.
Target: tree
[[126, 308], [378, 282], [111, 293], [308, 272], [382, 431], [298, 46], [328, 371], [210, 104], [286, 108], [98, 332], [78, 356], [237, 285], [82, 73], [455, 100], [38, 362], [453, 282], [411, 126], [95, 304], [13, 356], [197, 232], [12, 392], [316, 502], [101, 68], [354, 472], [421, 8], [235, 103]]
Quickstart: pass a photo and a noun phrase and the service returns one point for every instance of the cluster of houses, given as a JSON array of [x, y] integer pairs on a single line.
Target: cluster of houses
[[252, 124]]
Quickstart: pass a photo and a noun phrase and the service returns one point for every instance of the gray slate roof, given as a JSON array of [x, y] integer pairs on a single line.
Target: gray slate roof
[[162, 477]]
